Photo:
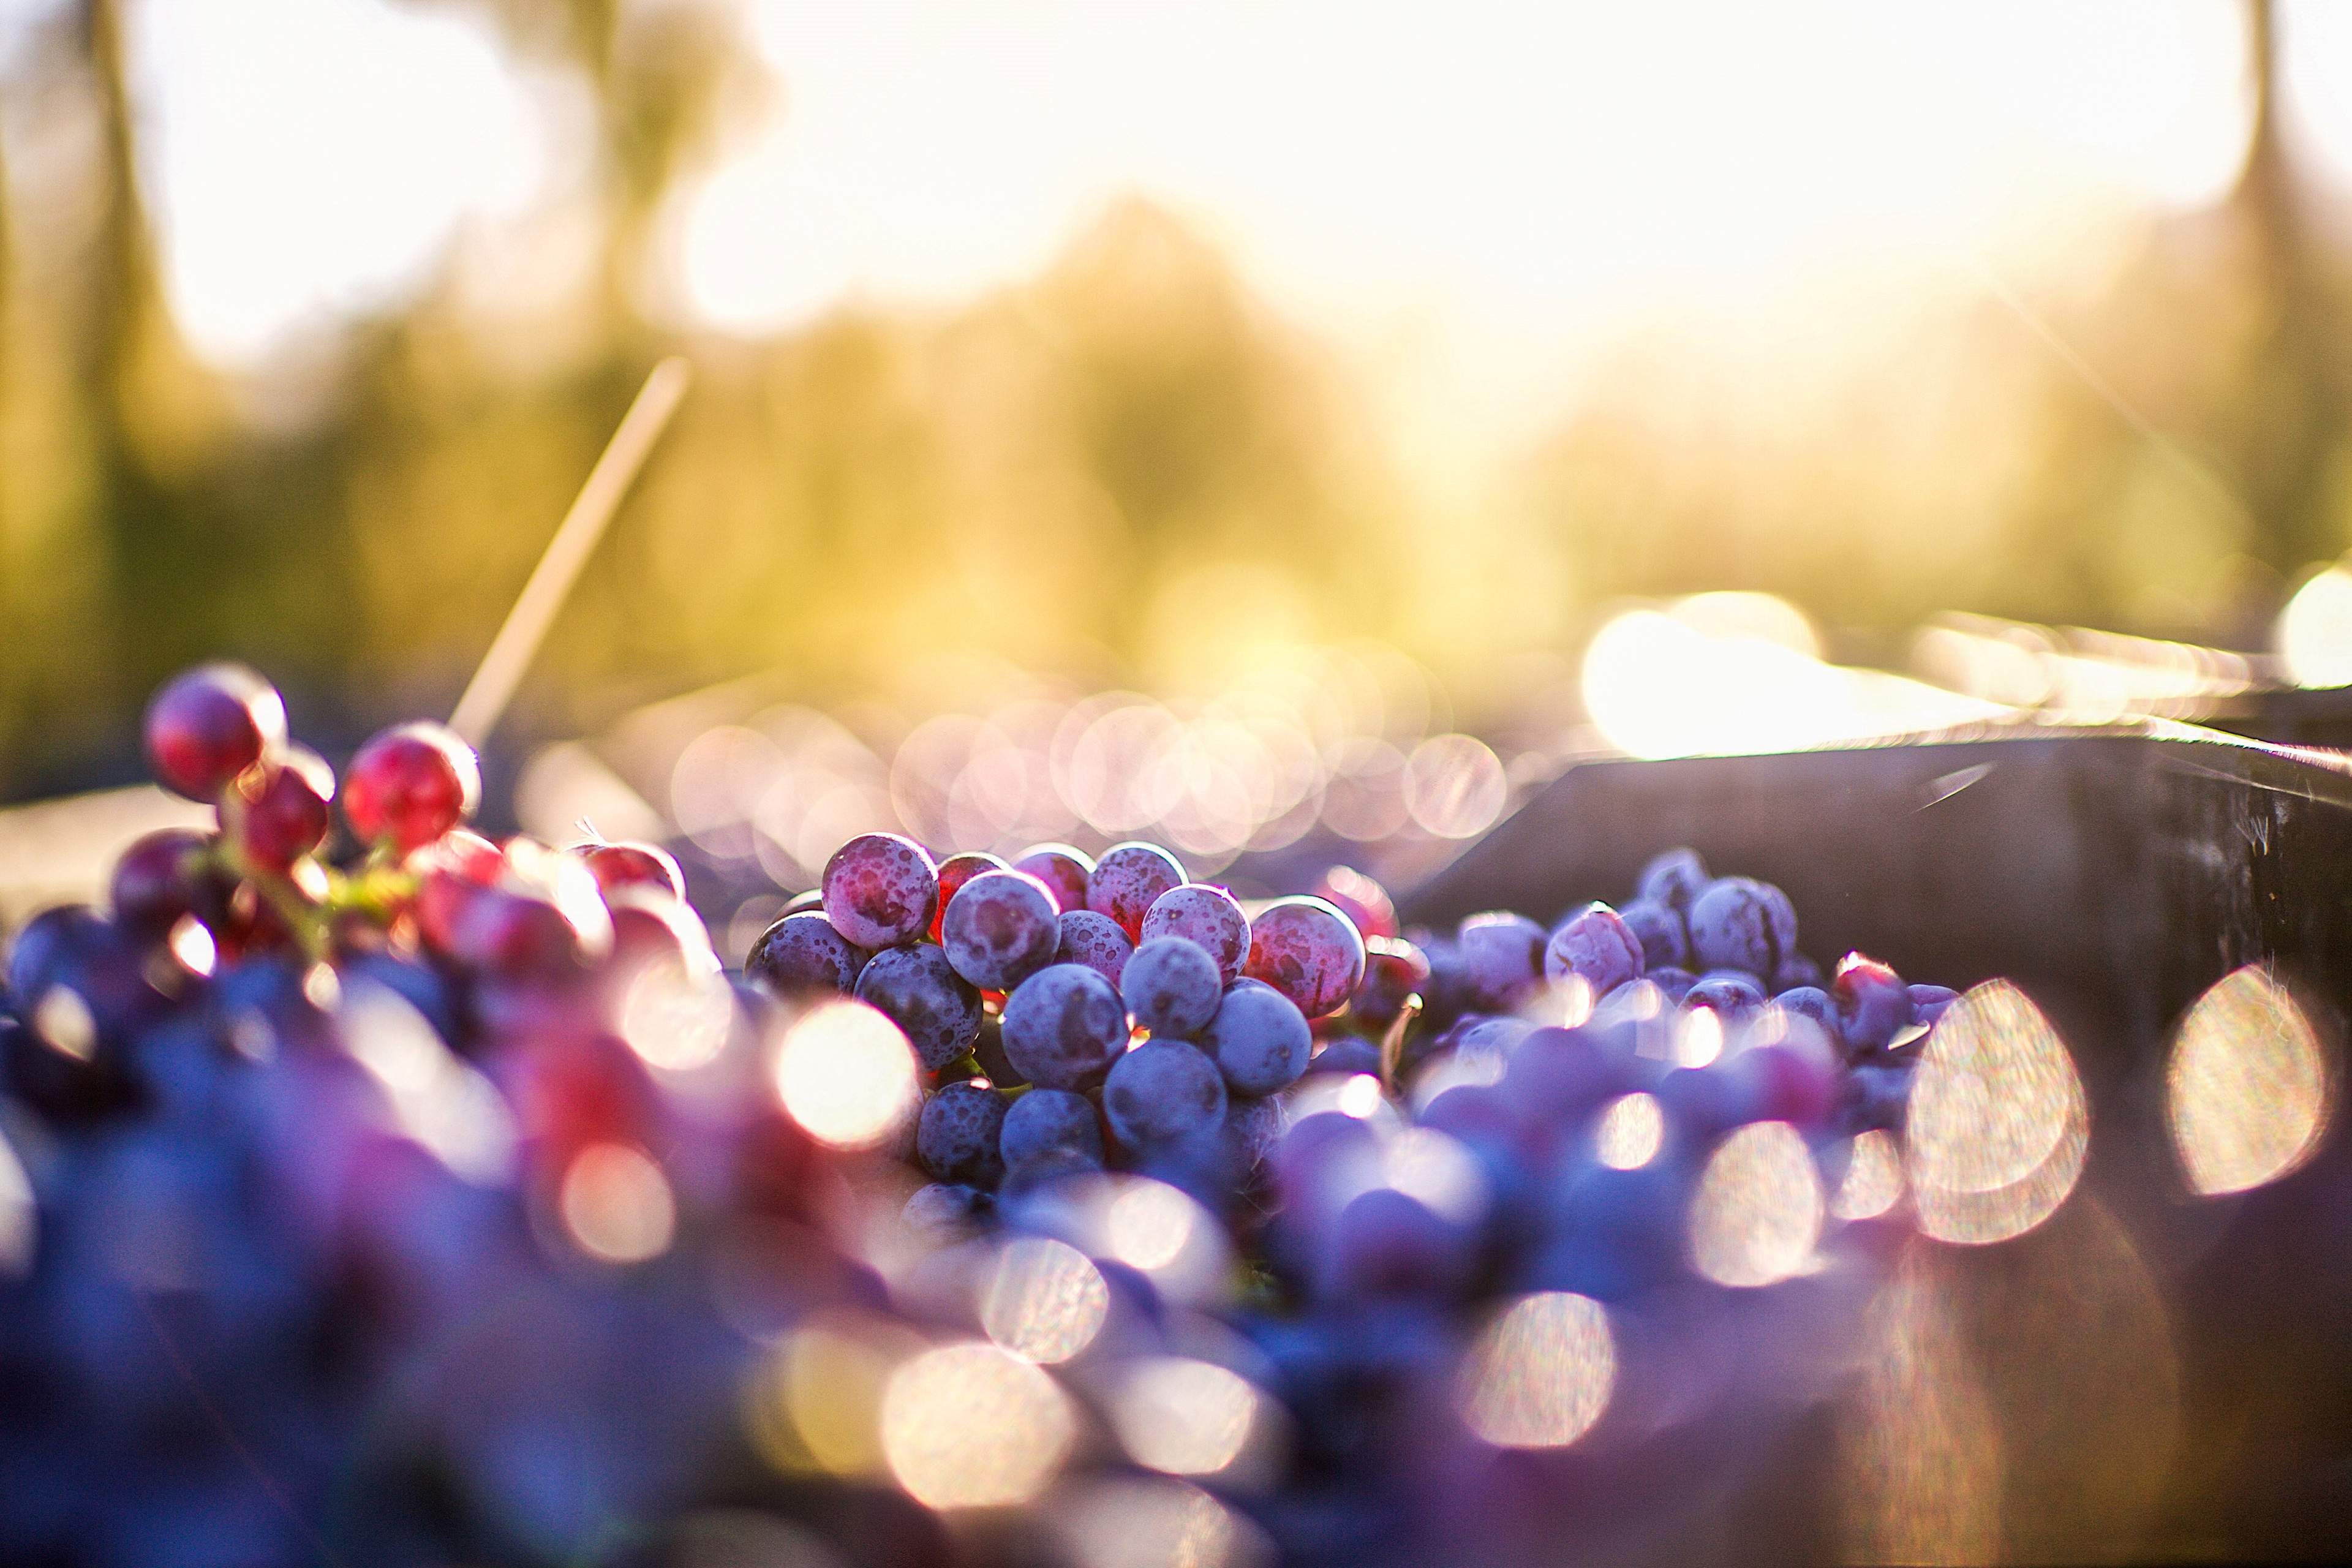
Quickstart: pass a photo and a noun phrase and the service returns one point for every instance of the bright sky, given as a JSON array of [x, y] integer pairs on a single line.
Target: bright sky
[[1499, 187]]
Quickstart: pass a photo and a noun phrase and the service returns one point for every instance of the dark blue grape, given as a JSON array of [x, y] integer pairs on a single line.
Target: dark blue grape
[[1741, 923], [922, 994], [1794, 970], [1162, 1093], [1674, 879], [1093, 940], [1064, 1025], [1502, 958], [1810, 1001], [958, 1137], [1046, 1119], [1259, 1040], [1001, 927], [1172, 987], [1665, 941], [1729, 994], [944, 1209], [1929, 1002], [1348, 1054], [802, 953]]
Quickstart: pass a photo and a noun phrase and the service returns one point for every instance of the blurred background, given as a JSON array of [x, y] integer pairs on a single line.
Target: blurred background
[[1336, 385]]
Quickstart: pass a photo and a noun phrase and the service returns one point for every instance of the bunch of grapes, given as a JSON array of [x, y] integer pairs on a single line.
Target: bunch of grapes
[[405, 1196]]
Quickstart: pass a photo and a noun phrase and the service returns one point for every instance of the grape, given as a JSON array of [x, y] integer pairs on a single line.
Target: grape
[[881, 889], [1258, 1038], [1811, 1001], [1387, 1245], [1929, 1002], [1251, 1128], [410, 784], [943, 1209], [1307, 950], [989, 1052], [1741, 923], [281, 811], [1093, 940], [449, 872], [1873, 1005], [1394, 971], [1348, 1054], [957, 1139], [1672, 984], [1364, 902], [619, 865], [208, 725], [1064, 1025], [160, 879], [1794, 970], [1596, 946], [1729, 994], [1208, 917], [1665, 943], [1067, 872], [954, 873], [1045, 1118], [1161, 1093], [1001, 927], [1172, 987], [1674, 879], [807, 899], [920, 992], [1127, 879], [1502, 959]]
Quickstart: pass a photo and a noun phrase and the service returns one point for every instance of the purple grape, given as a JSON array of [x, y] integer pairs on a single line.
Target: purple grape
[[957, 1139], [1259, 1038], [1385, 1245], [1502, 957], [1596, 946], [1162, 1093], [1729, 994], [1674, 984], [881, 890], [1348, 1054], [1065, 871], [1205, 915], [1929, 1002], [1813, 1002], [1064, 1025], [1741, 923], [1665, 943], [989, 1052], [1308, 951], [1873, 1005], [920, 992], [1026, 1178], [801, 954], [1046, 1119], [1093, 940], [1172, 987], [1001, 927], [1794, 970], [1128, 879], [1394, 970], [1674, 879]]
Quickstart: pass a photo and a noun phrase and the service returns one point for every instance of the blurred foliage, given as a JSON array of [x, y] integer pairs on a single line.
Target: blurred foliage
[[1127, 467]]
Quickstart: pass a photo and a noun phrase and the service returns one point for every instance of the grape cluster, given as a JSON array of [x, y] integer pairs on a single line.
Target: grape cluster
[[389, 1194], [1075, 1014]]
